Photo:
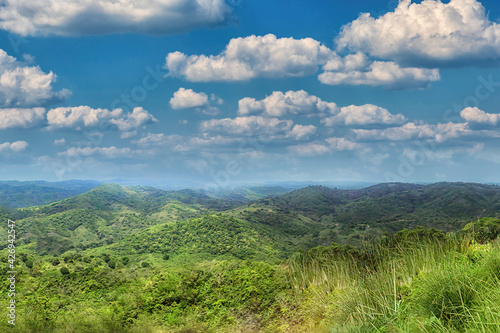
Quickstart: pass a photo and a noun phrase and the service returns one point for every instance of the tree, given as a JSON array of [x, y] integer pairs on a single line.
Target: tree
[[112, 264]]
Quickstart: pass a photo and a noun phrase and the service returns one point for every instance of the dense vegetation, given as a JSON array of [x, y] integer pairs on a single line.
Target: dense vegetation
[[138, 259]]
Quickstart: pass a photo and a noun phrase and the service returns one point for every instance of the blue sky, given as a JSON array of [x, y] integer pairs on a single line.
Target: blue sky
[[221, 92]]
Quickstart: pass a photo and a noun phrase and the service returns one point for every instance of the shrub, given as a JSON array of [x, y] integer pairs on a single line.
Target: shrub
[[29, 263], [64, 270], [55, 262], [112, 264], [484, 230]]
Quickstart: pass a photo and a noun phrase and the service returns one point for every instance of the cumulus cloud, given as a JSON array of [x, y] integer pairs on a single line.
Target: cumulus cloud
[[97, 17], [381, 73], [137, 119], [431, 33], [15, 147], [85, 116], [271, 57], [341, 144], [475, 115], [21, 118], [412, 131], [188, 98], [251, 57], [367, 114], [280, 104], [300, 132], [23, 86]]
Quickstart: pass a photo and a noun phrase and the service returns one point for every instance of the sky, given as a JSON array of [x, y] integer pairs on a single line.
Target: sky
[[222, 92]]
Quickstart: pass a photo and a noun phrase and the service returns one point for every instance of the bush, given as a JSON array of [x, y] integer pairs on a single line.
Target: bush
[[55, 262], [112, 264], [484, 230], [64, 271], [29, 263]]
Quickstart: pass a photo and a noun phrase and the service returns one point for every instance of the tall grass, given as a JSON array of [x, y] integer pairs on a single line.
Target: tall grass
[[414, 284]]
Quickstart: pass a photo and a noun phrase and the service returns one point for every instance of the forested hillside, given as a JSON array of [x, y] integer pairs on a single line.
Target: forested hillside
[[139, 259]]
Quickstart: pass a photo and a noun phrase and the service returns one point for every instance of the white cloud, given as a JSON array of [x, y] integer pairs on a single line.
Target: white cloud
[[137, 119], [248, 126], [342, 144], [21, 118], [96, 17], [179, 143], [85, 116], [475, 115], [207, 140], [271, 57], [320, 148], [280, 104], [174, 142], [24, 86], [188, 98], [15, 147], [60, 142], [251, 57], [367, 114], [429, 33], [106, 152], [152, 139], [300, 132], [381, 73], [412, 131], [309, 149]]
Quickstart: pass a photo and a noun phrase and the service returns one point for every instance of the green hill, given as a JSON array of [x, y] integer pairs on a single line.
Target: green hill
[[104, 215], [354, 215], [138, 259], [16, 194]]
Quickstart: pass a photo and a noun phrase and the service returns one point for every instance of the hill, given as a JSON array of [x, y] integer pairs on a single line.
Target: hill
[[15, 194], [139, 259], [353, 215], [104, 215]]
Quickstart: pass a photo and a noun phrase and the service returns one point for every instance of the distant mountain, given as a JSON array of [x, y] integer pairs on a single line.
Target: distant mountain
[[247, 193], [385, 207], [107, 214], [16, 194], [304, 218]]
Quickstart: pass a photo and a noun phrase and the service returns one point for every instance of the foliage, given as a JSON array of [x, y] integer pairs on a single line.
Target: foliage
[[137, 259]]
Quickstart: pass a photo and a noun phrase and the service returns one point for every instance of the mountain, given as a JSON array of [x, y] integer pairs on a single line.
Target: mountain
[[141, 259], [354, 215], [16, 194], [303, 218], [104, 215]]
